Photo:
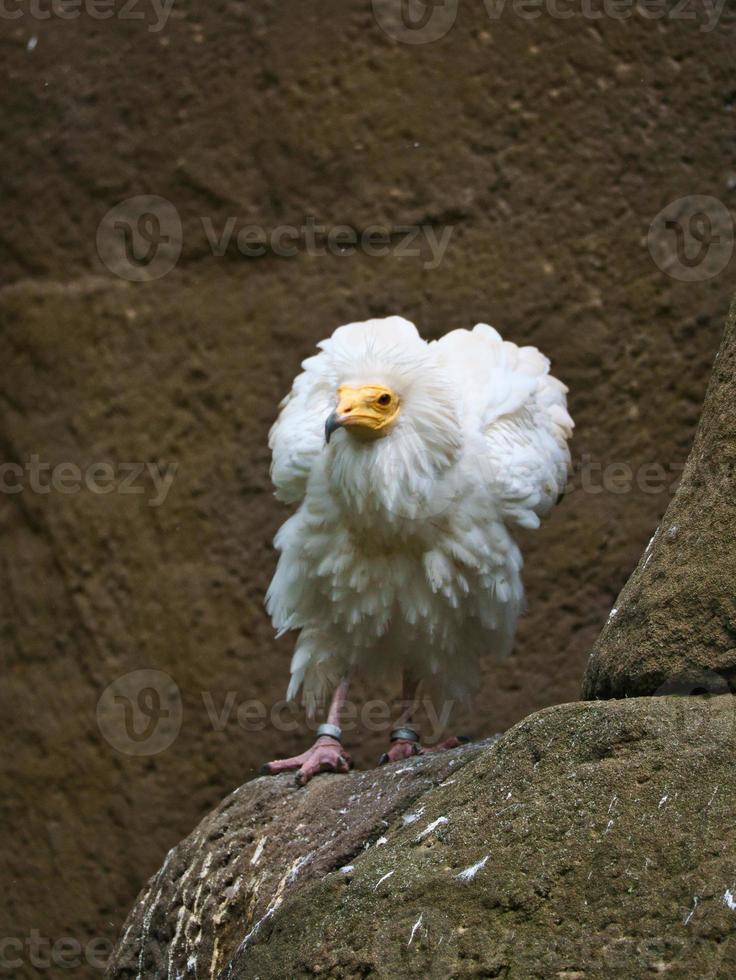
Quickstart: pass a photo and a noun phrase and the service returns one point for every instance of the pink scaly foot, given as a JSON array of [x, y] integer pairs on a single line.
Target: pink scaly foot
[[326, 755], [404, 748]]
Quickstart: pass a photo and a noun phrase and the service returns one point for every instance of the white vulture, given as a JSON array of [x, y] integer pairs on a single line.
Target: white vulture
[[410, 461]]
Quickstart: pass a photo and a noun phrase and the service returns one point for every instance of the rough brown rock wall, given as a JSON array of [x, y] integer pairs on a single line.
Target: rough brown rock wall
[[548, 146]]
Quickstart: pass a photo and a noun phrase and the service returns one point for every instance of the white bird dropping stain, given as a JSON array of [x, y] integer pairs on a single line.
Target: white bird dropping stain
[[648, 550], [691, 913], [430, 827], [469, 873], [412, 817], [729, 900], [381, 880], [259, 850], [414, 929]]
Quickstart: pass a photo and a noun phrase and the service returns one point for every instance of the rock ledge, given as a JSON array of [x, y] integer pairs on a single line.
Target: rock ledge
[[592, 840]]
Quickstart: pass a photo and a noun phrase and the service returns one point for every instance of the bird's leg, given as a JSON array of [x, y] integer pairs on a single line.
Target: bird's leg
[[327, 753], [405, 740]]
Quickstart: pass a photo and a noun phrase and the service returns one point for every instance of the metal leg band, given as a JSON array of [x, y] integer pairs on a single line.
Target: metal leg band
[[334, 731], [405, 734]]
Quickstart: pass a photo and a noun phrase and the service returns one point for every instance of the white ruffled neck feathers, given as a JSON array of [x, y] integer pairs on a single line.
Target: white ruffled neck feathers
[[398, 474]]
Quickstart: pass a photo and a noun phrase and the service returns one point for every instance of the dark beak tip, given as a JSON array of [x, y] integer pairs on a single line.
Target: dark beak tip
[[333, 422]]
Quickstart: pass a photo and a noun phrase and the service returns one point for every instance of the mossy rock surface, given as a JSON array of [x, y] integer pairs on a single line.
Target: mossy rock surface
[[673, 626], [592, 840]]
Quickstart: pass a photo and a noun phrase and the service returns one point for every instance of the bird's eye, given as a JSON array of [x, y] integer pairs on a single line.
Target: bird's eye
[[384, 400]]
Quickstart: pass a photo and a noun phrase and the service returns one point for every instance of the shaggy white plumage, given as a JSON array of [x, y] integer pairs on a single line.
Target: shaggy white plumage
[[400, 554]]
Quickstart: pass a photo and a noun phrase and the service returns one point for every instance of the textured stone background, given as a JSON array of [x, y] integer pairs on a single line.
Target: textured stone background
[[547, 145]]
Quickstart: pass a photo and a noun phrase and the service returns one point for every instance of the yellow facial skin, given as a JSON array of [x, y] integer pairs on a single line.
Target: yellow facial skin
[[367, 411]]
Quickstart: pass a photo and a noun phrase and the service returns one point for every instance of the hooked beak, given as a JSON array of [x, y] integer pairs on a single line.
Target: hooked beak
[[334, 421], [368, 411]]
